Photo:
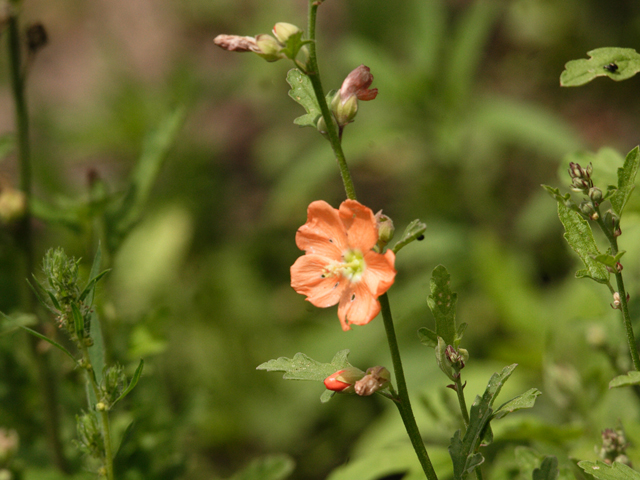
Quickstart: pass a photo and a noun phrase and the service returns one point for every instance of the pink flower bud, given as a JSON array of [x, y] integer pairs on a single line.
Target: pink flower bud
[[357, 83], [236, 43], [343, 379]]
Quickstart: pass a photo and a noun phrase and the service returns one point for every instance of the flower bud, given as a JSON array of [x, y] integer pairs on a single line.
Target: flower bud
[[268, 48], [385, 229], [595, 194], [344, 112], [614, 446], [355, 87], [236, 43], [322, 126], [343, 380], [580, 177], [282, 31], [377, 378]]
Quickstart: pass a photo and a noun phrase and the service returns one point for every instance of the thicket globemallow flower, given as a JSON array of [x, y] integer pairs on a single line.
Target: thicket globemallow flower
[[340, 265]]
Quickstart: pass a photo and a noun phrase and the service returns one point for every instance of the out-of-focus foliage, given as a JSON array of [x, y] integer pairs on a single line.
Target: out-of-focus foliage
[[469, 121]]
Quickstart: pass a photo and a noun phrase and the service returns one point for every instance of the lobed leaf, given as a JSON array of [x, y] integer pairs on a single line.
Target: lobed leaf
[[579, 72], [303, 93], [631, 378], [301, 367], [580, 238], [442, 303], [603, 471], [626, 181], [428, 337]]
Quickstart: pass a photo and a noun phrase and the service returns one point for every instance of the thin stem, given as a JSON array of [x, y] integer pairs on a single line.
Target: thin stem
[[332, 128], [624, 306], [459, 388], [403, 403], [104, 414], [24, 240]]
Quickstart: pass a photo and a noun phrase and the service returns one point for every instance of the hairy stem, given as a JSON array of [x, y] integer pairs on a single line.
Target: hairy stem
[[24, 240], [332, 128], [403, 403]]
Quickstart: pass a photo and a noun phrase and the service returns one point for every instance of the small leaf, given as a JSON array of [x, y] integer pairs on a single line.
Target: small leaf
[[631, 378], [126, 435], [626, 181], [39, 297], [303, 93], [548, 470], [442, 303], [90, 287], [46, 339], [16, 320], [580, 238], [526, 400], [459, 333], [609, 260], [411, 233], [78, 321], [132, 383], [616, 471], [301, 367], [615, 63], [327, 395], [428, 337]]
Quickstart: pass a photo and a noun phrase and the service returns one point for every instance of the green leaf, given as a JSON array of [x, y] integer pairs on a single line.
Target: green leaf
[[303, 93], [9, 324], [460, 332], [96, 350], [293, 46], [526, 400], [52, 342], [442, 303], [616, 471], [428, 337], [411, 233], [78, 321], [548, 470], [132, 383], [125, 437], [301, 367], [631, 378], [609, 260], [464, 451], [272, 467], [626, 181], [580, 238], [579, 72]]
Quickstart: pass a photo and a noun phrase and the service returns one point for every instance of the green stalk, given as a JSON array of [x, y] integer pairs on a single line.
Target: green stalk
[[403, 403], [624, 306], [104, 414], [332, 128], [24, 240], [462, 402]]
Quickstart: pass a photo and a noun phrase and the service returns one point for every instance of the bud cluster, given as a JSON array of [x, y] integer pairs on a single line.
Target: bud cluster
[[451, 359], [354, 380], [581, 178], [614, 446], [344, 104], [270, 47], [112, 385], [89, 435]]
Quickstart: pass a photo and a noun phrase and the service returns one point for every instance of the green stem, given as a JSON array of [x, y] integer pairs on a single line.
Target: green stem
[[103, 413], [403, 403], [332, 128], [624, 306], [24, 240], [462, 402]]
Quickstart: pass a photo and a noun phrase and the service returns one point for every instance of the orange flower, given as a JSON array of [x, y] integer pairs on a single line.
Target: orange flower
[[340, 265]]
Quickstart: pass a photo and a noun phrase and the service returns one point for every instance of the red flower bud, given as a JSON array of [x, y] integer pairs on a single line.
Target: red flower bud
[[343, 379]]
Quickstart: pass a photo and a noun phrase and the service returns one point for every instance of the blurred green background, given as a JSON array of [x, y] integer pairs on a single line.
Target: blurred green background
[[469, 121]]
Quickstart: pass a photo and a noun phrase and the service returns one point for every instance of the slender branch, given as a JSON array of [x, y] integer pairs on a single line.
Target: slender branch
[[24, 240], [403, 403], [459, 388], [103, 413], [332, 128], [624, 306]]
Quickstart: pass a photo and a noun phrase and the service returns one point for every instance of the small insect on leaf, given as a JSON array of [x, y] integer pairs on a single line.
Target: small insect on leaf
[[612, 67]]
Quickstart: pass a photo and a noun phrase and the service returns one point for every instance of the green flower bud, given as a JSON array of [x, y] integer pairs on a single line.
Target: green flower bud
[[282, 31], [344, 111], [385, 229], [595, 194], [268, 48]]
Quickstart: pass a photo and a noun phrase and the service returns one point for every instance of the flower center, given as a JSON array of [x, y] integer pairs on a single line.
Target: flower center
[[353, 265]]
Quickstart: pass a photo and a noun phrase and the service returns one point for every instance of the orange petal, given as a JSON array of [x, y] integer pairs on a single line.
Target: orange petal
[[357, 306], [323, 234], [380, 274], [360, 223], [306, 279]]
